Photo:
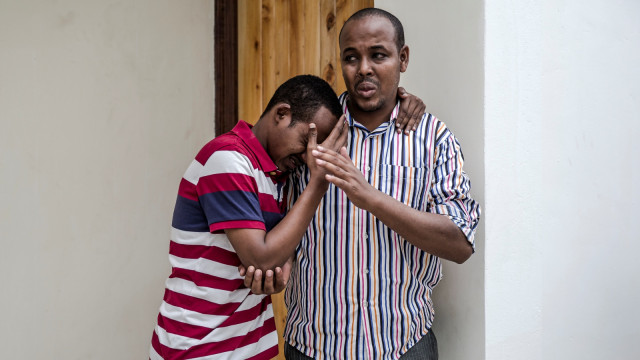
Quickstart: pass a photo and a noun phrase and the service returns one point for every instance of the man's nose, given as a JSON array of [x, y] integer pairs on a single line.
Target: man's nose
[[364, 69]]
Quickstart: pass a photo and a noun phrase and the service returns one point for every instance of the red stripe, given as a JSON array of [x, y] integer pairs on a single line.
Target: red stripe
[[244, 316], [199, 305], [269, 204], [182, 329], [206, 280], [237, 224], [227, 182], [187, 190], [220, 346], [212, 253]]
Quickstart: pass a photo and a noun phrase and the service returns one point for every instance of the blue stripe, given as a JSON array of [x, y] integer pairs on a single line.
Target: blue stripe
[[231, 205], [188, 216]]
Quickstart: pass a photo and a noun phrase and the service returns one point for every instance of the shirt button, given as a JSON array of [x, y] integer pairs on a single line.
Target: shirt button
[[368, 168], [366, 271], [365, 303], [273, 173]]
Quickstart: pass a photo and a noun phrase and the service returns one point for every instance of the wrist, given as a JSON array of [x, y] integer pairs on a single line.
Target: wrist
[[319, 184]]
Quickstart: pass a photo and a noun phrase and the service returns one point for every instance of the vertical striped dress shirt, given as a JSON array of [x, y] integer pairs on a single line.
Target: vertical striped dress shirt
[[358, 289]]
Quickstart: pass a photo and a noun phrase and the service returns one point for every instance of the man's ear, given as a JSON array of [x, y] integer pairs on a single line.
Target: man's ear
[[404, 58], [282, 114]]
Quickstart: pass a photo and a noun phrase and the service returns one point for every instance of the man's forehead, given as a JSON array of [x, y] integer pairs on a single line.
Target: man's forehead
[[377, 26], [324, 121]]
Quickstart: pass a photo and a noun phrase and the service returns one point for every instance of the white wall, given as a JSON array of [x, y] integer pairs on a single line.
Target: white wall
[[102, 106], [445, 39], [561, 169]]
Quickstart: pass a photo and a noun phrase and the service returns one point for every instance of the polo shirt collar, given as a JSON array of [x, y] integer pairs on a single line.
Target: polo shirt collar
[[243, 131]]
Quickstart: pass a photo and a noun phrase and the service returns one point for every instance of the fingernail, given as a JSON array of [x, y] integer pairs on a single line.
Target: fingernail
[[319, 147]]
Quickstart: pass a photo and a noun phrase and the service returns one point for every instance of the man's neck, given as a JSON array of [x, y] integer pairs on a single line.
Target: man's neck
[[370, 119]]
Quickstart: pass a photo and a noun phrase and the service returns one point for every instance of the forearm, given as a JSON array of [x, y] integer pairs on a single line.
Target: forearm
[[282, 240], [433, 233]]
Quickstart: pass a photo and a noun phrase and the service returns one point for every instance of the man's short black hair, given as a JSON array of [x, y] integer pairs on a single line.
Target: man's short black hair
[[370, 12], [306, 94]]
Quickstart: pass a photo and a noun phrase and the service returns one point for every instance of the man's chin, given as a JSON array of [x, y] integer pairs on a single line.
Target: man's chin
[[369, 105]]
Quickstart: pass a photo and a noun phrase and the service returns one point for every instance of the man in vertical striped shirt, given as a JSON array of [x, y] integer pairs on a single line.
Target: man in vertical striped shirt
[[230, 211], [365, 269]]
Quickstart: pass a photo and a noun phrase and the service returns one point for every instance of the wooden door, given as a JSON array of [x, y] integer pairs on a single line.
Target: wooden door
[[278, 39]]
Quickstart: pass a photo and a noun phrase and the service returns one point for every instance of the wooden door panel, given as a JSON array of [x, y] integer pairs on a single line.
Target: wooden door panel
[[278, 39]]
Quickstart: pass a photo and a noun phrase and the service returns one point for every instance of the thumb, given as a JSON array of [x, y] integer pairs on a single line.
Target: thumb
[[402, 92], [312, 137]]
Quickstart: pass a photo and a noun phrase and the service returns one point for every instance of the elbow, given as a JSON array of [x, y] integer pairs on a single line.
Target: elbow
[[463, 254]]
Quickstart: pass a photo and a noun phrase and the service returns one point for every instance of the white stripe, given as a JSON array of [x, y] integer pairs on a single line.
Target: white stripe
[[179, 342], [223, 333], [218, 296], [191, 317], [153, 355], [225, 162], [193, 172], [266, 342], [174, 341], [201, 238], [206, 266]]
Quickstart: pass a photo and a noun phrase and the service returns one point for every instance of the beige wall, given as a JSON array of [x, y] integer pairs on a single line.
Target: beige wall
[[102, 106]]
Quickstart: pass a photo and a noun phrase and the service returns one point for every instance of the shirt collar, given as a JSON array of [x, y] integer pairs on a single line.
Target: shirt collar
[[243, 131], [352, 122]]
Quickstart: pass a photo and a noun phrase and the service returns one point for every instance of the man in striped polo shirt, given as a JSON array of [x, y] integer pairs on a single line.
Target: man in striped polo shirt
[[365, 269], [230, 211]]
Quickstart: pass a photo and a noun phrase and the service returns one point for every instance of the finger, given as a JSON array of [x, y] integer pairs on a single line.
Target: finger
[[417, 115], [344, 153], [268, 282], [256, 285], [241, 269], [313, 136], [342, 139], [280, 282], [412, 114], [406, 102], [336, 166], [328, 159], [340, 183], [336, 132], [248, 277]]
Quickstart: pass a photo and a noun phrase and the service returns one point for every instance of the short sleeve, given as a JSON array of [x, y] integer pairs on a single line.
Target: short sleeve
[[228, 192]]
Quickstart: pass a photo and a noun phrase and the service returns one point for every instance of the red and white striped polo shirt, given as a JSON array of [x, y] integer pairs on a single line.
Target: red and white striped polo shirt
[[207, 312]]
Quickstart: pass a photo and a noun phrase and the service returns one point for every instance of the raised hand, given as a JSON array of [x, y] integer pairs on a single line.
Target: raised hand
[[342, 173], [336, 139]]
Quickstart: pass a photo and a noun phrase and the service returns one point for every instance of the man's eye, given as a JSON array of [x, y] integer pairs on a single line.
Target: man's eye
[[379, 56], [349, 58]]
